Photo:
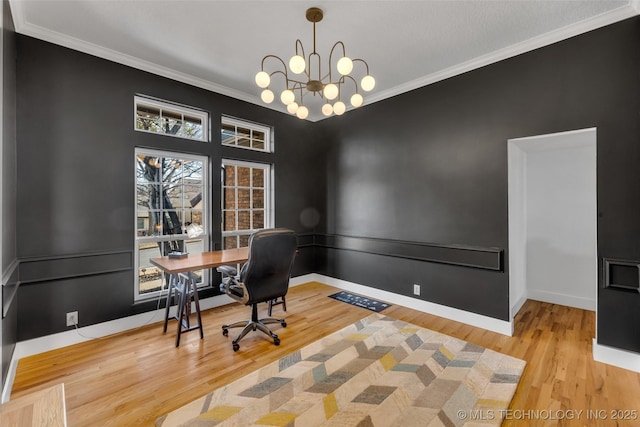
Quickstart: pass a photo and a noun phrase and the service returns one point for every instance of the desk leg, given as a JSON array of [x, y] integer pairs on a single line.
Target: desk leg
[[183, 300], [170, 290], [188, 290], [197, 301]]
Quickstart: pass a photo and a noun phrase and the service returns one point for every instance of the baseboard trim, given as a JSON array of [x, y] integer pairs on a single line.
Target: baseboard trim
[[604, 354], [99, 330], [495, 325], [517, 306], [562, 299], [616, 357], [8, 385]]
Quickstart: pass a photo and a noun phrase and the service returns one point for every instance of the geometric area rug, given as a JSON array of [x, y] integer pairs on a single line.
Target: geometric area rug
[[379, 372]]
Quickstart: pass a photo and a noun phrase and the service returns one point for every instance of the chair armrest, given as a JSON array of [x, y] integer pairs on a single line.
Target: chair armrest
[[227, 270], [235, 289]]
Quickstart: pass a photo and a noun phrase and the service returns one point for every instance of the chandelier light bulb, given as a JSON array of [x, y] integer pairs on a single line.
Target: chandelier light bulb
[[345, 65], [356, 100], [287, 96], [302, 112], [262, 79], [327, 109], [339, 108], [297, 64], [331, 91], [368, 83], [267, 96], [292, 108]]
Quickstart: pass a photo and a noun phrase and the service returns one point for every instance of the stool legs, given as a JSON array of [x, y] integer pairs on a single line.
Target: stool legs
[[276, 302]]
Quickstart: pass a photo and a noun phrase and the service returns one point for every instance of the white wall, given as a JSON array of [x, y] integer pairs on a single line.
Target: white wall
[[561, 218], [517, 229], [554, 219]]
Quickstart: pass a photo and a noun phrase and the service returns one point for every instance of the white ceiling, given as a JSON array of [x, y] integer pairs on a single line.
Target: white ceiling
[[218, 45]]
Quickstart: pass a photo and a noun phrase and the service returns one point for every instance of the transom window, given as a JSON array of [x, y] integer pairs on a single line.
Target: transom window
[[242, 134], [165, 118], [246, 202], [171, 212]]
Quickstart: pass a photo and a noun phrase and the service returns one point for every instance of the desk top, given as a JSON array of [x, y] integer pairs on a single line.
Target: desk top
[[194, 262]]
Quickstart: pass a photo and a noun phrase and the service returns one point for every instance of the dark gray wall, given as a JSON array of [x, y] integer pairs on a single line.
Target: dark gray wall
[[430, 166], [9, 263], [412, 189], [76, 180]]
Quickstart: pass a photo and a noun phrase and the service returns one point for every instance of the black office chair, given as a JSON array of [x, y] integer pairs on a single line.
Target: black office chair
[[263, 278]]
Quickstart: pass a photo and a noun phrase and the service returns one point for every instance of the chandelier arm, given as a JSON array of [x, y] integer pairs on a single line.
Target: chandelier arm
[[289, 83], [325, 76], [276, 57], [344, 53], [308, 71], [363, 61], [300, 87], [353, 80], [295, 83], [286, 77], [339, 83], [307, 67], [299, 43]]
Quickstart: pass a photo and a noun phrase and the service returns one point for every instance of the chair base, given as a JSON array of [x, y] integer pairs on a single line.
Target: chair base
[[253, 325]]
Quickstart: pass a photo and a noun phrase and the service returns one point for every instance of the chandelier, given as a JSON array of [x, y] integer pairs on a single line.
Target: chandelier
[[333, 86]]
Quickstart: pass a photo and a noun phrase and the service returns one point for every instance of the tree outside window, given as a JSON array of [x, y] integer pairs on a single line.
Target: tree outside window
[[170, 191]]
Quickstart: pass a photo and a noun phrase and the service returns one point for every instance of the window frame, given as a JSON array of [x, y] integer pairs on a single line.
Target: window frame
[[205, 237], [251, 126], [176, 109], [269, 197]]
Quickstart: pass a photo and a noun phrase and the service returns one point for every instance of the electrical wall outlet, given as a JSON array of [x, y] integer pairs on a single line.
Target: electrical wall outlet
[[416, 289], [72, 318]]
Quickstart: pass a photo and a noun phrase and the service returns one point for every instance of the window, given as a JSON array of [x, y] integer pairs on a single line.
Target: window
[[171, 212], [242, 134], [165, 118], [246, 201]]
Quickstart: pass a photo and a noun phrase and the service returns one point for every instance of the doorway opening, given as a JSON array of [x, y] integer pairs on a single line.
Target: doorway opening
[[553, 219]]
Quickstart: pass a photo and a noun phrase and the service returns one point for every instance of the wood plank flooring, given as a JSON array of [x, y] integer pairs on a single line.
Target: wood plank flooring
[[134, 377]]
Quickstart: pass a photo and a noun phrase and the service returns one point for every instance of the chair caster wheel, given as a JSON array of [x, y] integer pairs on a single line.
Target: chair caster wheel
[[236, 347], [284, 324], [225, 332], [276, 341]]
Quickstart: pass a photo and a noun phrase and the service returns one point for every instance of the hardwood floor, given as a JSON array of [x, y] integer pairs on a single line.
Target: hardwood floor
[[132, 378]]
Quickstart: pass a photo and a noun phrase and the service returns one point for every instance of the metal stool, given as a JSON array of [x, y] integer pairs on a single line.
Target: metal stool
[[183, 289]]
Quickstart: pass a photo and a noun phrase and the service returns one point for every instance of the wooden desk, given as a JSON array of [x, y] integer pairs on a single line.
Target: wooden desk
[[193, 262], [183, 286], [40, 408]]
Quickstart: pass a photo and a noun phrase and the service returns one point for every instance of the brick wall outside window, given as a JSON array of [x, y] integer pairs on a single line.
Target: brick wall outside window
[[244, 202]]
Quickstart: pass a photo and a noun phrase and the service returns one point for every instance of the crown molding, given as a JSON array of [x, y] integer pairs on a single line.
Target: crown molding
[[24, 27], [613, 16], [616, 15]]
